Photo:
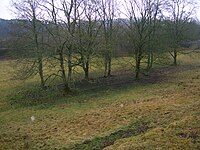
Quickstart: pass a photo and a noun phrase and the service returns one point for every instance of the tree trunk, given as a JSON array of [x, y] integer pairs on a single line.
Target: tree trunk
[[138, 61], [109, 67], [106, 67], [109, 61], [69, 64], [137, 69], [86, 70], [150, 60], [62, 67], [39, 53], [86, 74], [40, 68], [151, 63], [175, 57]]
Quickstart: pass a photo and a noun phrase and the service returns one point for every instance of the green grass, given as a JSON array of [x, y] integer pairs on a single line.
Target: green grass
[[171, 107]]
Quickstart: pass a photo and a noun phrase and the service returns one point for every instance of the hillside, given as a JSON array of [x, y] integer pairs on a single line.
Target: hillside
[[5, 28], [159, 112]]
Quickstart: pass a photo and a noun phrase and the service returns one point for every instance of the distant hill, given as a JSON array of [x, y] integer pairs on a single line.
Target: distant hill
[[10, 28], [5, 33], [5, 28]]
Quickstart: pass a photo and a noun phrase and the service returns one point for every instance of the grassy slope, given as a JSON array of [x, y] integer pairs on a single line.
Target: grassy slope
[[171, 105]]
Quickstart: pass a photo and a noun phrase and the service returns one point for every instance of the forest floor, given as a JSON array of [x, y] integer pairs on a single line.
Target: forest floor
[[159, 111]]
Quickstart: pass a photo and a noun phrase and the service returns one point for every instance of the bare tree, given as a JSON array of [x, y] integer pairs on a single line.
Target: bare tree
[[154, 10], [88, 29], [29, 11], [55, 30], [180, 12], [107, 15], [142, 16], [63, 15], [71, 15]]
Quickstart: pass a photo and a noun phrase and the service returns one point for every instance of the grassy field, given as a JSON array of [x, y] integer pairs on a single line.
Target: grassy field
[[158, 114]]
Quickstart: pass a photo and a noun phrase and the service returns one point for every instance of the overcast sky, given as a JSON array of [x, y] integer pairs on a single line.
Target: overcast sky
[[6, 13]]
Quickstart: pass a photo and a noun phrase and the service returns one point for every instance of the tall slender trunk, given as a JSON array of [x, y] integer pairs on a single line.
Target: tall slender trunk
[[38, 51], [109, 66], [40, 68], [69, 65], [138, 62], [62, 67], [150, 60], [105, 66], [175, 57], [86, 70], [86, 74], [152, 57], [108, 63], [137, 69]]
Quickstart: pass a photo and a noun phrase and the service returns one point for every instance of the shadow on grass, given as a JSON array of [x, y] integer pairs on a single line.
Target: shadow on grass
[[30, 95], [42, 99]]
